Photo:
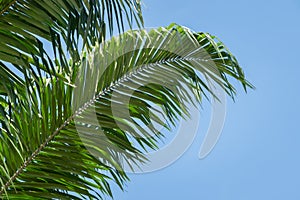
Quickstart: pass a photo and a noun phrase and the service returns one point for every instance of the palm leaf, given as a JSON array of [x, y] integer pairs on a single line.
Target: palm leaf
[[70, 139], [26, 26]]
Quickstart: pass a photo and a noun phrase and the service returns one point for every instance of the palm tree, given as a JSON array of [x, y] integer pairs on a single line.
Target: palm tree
[[61, 81]]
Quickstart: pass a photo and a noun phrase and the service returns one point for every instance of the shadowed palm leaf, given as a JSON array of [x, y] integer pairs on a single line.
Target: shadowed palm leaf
[[60, 137]]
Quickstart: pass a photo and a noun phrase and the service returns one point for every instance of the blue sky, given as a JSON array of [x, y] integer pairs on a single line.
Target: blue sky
[[257, 156]]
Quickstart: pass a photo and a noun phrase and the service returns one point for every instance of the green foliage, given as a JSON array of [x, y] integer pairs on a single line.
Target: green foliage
[[4, 4], [59, 135]]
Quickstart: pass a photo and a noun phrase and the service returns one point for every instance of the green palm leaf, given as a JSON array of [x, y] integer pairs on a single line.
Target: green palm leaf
[[68, 136], [26, 26]]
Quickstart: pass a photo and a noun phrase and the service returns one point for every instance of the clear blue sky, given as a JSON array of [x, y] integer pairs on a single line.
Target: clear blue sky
[[258, 154]]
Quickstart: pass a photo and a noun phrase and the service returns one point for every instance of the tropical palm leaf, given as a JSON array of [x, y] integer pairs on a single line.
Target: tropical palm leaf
[[26, 26], [68, 136]]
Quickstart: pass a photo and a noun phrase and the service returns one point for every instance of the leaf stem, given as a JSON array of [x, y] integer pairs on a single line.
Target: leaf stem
[[7, 7]]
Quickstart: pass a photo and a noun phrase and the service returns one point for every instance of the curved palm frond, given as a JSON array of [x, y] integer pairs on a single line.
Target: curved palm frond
[[25, 25], [69, 139]]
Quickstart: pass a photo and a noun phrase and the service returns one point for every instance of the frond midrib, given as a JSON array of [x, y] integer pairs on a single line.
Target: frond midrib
[[8, 6]]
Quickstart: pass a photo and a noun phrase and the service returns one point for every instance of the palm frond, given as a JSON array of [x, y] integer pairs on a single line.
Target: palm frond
[[63, 138], [26, 26]]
